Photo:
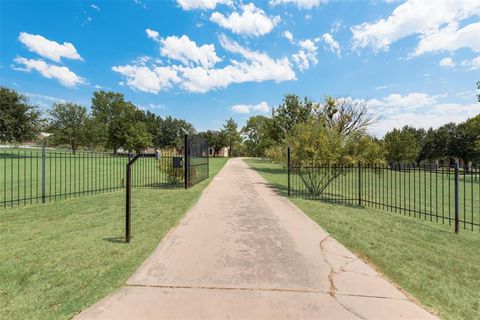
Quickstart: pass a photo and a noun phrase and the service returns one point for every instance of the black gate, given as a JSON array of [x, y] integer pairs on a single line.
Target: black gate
[[166, 170], [196, 160]]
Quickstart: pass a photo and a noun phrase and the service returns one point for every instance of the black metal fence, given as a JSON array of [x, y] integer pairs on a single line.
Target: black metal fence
[[40, 175], [198, 161], [444, 194]]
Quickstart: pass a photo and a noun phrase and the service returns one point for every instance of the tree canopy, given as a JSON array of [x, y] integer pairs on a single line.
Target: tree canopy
[[19, 121]]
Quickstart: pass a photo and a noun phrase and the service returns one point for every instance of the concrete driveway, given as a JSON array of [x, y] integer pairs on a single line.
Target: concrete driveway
[[244, 252]]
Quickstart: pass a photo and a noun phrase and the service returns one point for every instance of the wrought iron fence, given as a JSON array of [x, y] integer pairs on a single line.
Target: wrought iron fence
[[444, 194], [40, 174], [198, 160]]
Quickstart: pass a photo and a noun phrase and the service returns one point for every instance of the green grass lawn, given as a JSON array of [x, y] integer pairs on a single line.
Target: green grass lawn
[[436, 266], [57, 259]]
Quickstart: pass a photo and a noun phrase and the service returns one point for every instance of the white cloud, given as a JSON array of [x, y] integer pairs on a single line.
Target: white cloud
[[474, 64], [251, 22], [450, 38], [333, 45], [411, 101], [152, 34], [254, 67], [432, 116], [419, 110], [247, 108], [143, 78], [306, 55], [288, 35], [186, 51], [419, 17], [447, 62], [202, 4], [60, 73], [302, 4], [47, 48], [95, 7]]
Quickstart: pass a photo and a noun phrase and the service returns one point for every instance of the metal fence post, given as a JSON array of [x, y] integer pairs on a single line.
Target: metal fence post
[[44, 155], [185, 160], [359, 184], [288, 169], [128, 198], [128, 201], [456, 197]]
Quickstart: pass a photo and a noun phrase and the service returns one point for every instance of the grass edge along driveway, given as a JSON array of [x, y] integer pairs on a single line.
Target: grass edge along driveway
[[59, 258], [428, 260]]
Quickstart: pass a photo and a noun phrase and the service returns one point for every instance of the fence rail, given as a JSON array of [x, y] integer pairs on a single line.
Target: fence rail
[[447, 194], [40, 175]]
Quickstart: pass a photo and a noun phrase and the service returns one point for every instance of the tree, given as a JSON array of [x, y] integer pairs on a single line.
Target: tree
[[19, 121], [257, 135], [67, 124], [230, 128], [403, 145], [171, 133], [467, 140], [288, 114], [325, 154], [345, 115], [114, 115], [137, 137], [216, 140]]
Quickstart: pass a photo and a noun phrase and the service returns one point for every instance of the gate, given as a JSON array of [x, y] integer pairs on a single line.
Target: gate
[[172, 169], [196, 160]]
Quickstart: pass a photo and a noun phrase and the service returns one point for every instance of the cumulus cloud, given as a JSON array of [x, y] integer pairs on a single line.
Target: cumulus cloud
[[251, 22], [186, 51], [412, 100], [247, 108], [333, 45], [417, 109], [447, 63], [473, 64], [306, 55], [288, 35], [301, 4], [202, 77], [48, 49], [60, 73], [202, 4], [152, 34], [423, 18]]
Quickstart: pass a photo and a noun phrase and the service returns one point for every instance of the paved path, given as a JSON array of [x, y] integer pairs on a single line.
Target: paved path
[[244, 252]]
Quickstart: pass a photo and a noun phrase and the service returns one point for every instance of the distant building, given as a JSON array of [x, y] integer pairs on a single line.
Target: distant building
[[223, 152]]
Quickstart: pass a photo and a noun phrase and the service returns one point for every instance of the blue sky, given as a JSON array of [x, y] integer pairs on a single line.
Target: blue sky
[[414, 62]]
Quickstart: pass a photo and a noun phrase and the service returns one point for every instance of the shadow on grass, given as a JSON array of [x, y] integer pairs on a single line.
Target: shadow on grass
[[115, 239]]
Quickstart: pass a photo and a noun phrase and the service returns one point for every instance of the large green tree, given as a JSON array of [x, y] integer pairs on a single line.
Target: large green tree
[[138, 137], [19, 121], [403, 145], [230, 129], [67, 124], [216, 139], [114, 115], [257, 135], [288, 114], [172, 132]]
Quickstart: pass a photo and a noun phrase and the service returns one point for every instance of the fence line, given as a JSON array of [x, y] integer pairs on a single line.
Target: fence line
[[30, 176], [443, 194]]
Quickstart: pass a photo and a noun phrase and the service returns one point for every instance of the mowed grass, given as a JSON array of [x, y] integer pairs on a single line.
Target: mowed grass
[[57, 259], [439, 268]]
